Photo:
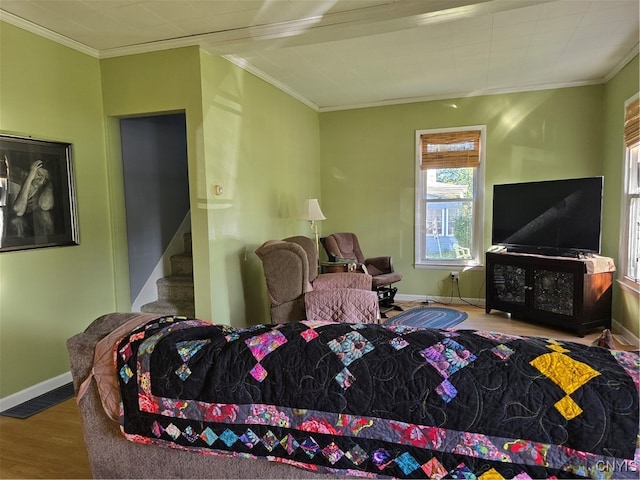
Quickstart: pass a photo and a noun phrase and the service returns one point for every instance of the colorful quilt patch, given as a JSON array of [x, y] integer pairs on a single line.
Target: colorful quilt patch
[[333, 453], [183, 371], [491, 475], [502, 351], [447, 357], [270, 441], [381, 458], [309, 334], [499, 337], [232, 337], [190, 434], [345, 378], [407, 463], [398, 343], [258, 372], [446, 390], [188, 349], [126, 352], [126, 373], [289, 443], [434, 469], [228, 437], [208, 436], [357, 455], [462, 472], [310, 447], [350, 347], [249, 438], [263, 345]]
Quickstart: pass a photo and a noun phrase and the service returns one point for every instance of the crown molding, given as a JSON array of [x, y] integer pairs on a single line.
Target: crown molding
[[243, 64], [46, 33], [623, 63], [453, 95]]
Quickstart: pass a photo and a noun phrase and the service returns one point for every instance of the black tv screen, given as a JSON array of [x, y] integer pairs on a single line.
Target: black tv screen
[[555, 217]]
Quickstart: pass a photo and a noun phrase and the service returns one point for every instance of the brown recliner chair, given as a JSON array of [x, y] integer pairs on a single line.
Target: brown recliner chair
[[346, 246], [297, 292]]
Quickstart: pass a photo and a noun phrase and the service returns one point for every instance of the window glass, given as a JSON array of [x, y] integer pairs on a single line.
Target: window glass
[[631, 269]]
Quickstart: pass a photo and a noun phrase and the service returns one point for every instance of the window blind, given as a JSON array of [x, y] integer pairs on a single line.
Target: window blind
[[632, 124], [450, 149]]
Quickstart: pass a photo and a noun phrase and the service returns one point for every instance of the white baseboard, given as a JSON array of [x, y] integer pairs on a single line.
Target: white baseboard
[[34, 391], [629, 337]]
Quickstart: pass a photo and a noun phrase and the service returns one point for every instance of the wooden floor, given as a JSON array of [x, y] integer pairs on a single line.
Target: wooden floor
[[49, 444], [46, 445], [501, 322]]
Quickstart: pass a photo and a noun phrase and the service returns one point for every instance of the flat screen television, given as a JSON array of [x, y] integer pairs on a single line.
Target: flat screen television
[[554, 217]]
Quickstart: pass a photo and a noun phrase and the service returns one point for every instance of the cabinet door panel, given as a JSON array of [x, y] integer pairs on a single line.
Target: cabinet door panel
[[509, 284], [553, 291]]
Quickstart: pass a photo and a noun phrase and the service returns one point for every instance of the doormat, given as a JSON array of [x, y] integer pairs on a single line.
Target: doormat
[[429, 317], [41, 402]]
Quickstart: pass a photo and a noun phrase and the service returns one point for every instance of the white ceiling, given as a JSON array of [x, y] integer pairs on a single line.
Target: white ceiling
[[335, 54]]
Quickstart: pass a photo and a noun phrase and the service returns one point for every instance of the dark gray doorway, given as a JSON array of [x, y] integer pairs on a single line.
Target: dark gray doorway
[[156, 187]]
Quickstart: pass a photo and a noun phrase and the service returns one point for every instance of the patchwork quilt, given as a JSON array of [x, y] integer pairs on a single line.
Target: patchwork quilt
[[383, 401]]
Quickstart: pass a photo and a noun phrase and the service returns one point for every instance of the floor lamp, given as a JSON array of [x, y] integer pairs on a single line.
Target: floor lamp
[[312, 213]]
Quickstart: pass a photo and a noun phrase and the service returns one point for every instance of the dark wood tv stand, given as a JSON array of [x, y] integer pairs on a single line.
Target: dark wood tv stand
[[557, 291]]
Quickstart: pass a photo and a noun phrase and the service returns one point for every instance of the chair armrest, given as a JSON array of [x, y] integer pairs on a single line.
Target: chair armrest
[[326, 281], [379, 265]]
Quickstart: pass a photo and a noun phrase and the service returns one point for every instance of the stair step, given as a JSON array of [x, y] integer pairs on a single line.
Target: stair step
[[185, 309], [175, 288], [182, 264], [175, 292]]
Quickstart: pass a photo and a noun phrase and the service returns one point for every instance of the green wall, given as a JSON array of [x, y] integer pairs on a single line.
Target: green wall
[[368, 166], [242, 134], [622, 87], [262, 147], [147, 84], [47, 295]]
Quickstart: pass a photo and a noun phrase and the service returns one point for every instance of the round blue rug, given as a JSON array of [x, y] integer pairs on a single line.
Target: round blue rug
[[429, 317]]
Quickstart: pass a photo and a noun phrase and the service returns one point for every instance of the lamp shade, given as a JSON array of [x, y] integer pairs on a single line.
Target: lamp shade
[[311, 210]]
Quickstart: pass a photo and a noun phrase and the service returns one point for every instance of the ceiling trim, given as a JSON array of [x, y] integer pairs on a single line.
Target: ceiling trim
[[46, 33], [627, 58], [244, 65], [479, 93]]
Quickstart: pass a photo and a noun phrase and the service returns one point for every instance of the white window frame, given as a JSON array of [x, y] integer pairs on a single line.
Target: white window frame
[[477, 250], [629, 225]]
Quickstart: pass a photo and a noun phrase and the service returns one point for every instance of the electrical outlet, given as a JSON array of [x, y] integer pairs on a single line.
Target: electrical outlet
[[455, 276]]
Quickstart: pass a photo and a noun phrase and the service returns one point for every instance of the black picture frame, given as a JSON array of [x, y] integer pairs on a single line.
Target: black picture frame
[[45, 215]]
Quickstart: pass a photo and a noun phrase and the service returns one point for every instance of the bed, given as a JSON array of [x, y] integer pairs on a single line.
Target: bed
[[188, 398]]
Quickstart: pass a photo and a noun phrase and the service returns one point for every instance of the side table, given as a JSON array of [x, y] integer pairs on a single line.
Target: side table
[[337, 267]]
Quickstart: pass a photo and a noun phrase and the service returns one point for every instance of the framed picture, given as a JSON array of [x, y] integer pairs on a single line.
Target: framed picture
[[37, 194]]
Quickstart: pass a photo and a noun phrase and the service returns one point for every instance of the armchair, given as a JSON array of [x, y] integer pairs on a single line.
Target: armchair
[[346, 245], [297, 292]]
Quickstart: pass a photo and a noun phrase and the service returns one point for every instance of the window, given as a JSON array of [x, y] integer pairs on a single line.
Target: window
[[630, 241], [449, 193]]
